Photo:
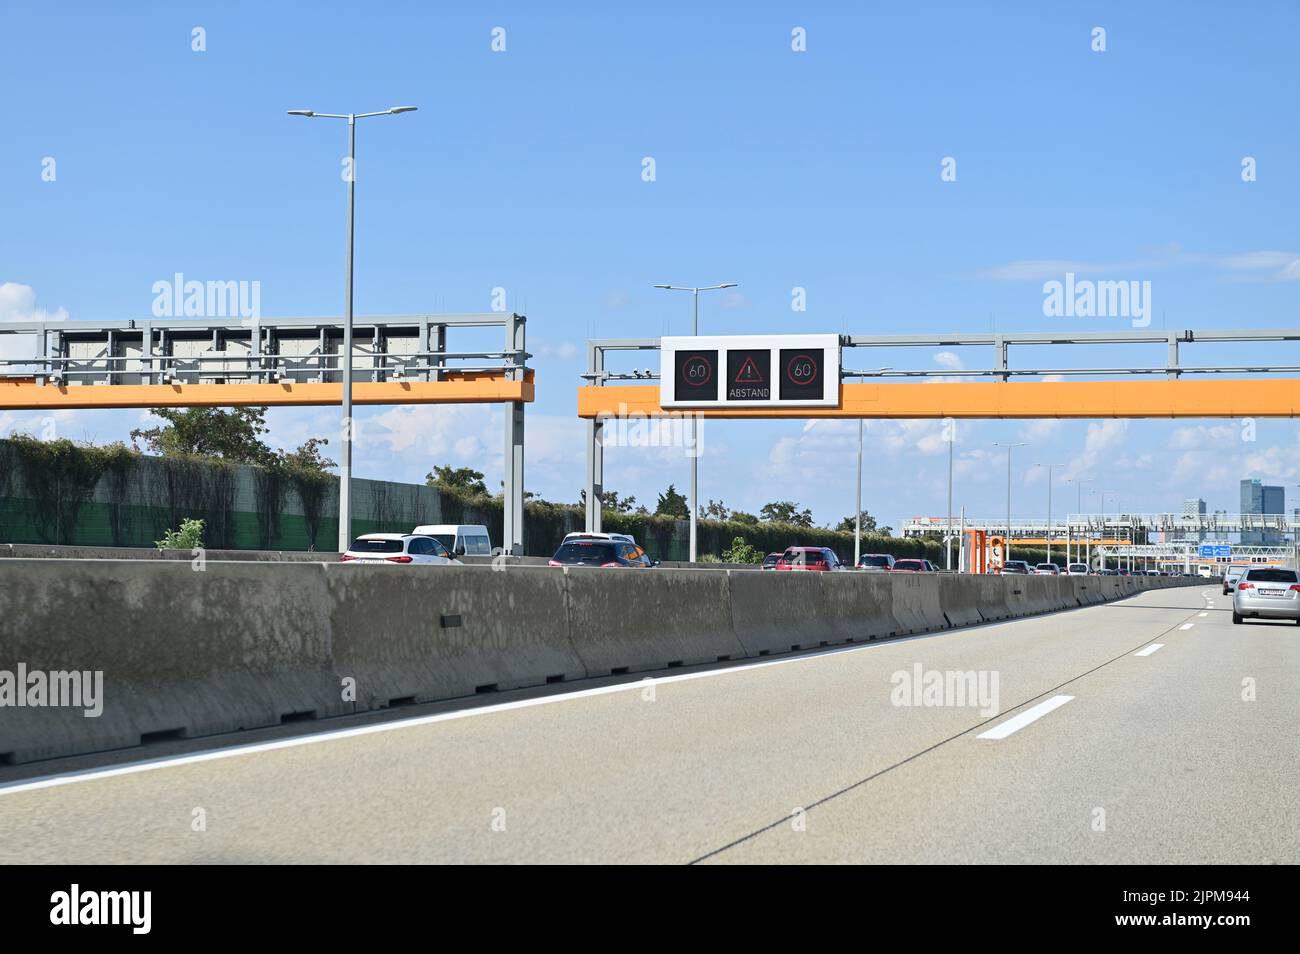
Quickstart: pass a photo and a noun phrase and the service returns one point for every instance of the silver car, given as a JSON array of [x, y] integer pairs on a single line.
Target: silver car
[[1267, 592]]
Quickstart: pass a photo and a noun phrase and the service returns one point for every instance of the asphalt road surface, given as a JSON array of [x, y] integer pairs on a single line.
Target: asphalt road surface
[[1102, 750]]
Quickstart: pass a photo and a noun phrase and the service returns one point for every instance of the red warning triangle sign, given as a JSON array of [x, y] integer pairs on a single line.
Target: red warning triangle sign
[[749, 373]]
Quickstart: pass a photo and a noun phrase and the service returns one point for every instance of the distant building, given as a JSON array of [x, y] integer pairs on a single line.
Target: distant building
[[1256, 498], [1194, 507]]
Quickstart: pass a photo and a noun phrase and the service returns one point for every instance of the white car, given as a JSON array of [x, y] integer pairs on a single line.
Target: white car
[[459, 538], [1047, 569], [397, 548], [1077, 569]]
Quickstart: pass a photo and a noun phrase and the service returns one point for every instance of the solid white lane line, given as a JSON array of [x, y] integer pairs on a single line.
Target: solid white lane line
[[1016, 723], [1149, 650]]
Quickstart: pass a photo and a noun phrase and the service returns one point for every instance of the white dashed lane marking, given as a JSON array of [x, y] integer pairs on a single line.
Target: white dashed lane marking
[[1149, 650], [1016, 723]]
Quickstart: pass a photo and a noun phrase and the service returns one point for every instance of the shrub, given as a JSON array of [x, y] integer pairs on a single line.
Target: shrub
[[188, 537]]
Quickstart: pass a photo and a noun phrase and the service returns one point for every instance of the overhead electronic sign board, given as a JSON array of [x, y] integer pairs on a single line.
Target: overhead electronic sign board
[[750, 371]]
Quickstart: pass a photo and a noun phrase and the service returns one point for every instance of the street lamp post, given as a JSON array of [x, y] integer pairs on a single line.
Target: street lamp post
[[1049, 508], [345, 435], [1006, 546], [1088, 550], [1078, 509], [695, 457]]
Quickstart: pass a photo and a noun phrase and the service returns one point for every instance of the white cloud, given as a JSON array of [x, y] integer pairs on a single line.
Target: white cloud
[[1040, 269], [1041, 429], [1265, 266], [949, 360], [18, 303]]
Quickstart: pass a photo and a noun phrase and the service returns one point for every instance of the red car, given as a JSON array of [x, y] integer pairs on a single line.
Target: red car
[[809, 558], [910, 566]]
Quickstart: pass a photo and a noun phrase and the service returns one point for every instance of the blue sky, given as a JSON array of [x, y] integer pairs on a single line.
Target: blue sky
[[774, 168]]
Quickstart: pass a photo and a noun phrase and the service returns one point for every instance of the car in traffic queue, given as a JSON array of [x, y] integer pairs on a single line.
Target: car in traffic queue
[[770, 561], [1016, 566], [585, 535], [399, 548], [459, 538], [1266, 592], [1232, 574], [1047, 569], [1077, 569], [876, 562], [911, 566], [601, 550], [822, 559]]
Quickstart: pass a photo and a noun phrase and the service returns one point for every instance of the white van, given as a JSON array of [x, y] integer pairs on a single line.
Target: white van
[[461, 539]]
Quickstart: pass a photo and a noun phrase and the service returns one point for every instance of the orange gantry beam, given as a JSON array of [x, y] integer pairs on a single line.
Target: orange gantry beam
[[467, 388], [1219, 397]]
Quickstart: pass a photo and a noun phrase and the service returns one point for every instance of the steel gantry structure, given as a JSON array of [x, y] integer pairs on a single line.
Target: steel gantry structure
[[1170, 388], [228, 362]]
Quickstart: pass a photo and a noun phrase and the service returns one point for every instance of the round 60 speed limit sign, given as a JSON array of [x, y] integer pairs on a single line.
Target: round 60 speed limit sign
[[801, 373]]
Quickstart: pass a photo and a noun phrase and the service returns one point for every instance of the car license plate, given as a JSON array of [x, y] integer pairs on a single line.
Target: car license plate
[[370, 561], [1273, 592]]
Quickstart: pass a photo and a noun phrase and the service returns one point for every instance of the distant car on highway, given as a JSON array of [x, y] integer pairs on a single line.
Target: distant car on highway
[[930, 566], [1077, 569], [397, 548], [876, 562], [459, 538], [1047, 569], [769, 561], [598, 550], [1016, 566], [911, 566], [1232, 574], [1108, 572], [809, 558], [1266, 592]]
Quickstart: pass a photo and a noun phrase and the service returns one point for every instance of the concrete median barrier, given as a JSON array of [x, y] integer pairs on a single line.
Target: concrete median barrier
[[417, 634], [1088, 589], [916, 603], [634, 620], [182, 653], [990, 593], [859, 605], [771, 615], [959, 598]]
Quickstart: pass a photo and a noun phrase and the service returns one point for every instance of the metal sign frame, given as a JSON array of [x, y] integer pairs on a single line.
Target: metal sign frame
[[233, 362]]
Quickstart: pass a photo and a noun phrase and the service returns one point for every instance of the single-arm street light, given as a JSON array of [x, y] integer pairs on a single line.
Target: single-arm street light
[[345, 435], [695, 458], [1006, 546], [1049, 510]]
